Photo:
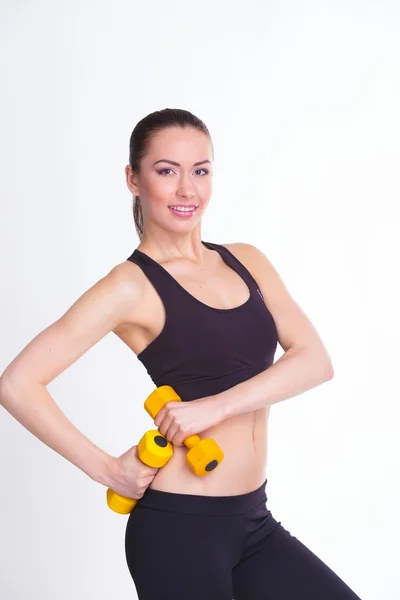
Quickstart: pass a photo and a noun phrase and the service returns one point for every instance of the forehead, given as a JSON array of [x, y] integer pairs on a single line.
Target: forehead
[[180, 143]]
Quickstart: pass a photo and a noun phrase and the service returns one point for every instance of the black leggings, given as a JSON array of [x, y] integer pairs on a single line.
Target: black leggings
[[191, 547]]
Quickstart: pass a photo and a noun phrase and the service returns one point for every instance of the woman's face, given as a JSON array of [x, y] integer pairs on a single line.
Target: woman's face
[[187, 182]]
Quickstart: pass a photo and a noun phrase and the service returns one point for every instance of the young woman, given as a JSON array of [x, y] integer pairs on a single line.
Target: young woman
[[204, 318]]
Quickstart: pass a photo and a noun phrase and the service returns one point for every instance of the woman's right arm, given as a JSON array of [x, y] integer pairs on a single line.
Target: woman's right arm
[[107, 304]]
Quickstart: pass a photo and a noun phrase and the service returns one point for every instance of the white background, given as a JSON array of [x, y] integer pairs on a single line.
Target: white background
[[302, 103]]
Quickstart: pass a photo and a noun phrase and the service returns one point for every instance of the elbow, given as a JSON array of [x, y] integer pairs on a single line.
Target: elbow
[[321, 362], [318, 359], [323, 359], [328, 369], [10, 389], [6, 388]]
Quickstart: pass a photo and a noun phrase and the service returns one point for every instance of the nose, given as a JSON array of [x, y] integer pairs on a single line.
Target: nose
[[186, 195], [185, 188]]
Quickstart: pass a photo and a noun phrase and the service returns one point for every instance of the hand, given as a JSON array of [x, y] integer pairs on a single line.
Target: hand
[[130, 476], [179, 420]]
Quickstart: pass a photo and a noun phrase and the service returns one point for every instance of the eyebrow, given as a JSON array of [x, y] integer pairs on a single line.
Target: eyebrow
[[172, 162]]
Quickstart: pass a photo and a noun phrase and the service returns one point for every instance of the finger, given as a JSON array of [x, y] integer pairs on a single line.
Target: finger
[[159, 417], [165, 425], [173, 433], [177, 441], [179, 438]]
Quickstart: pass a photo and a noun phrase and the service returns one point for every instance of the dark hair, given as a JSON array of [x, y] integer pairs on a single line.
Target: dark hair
[[141, 138]]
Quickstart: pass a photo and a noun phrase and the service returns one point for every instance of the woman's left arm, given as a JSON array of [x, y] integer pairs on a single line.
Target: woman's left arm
[[299, 369], [305, 362]]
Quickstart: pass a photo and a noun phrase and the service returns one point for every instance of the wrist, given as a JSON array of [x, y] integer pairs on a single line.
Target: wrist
[[105, 471], [222, 406]]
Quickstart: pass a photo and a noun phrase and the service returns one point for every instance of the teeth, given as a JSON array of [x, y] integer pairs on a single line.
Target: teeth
[[184, 208]]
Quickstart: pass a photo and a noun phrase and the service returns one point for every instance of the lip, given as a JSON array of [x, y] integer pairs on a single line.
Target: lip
[[185, 205], [185, 214]]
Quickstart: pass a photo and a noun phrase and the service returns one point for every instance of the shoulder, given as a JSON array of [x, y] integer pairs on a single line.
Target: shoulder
[[122, 286], [124, 277], [261, 268], [252, 257], [241, 247]]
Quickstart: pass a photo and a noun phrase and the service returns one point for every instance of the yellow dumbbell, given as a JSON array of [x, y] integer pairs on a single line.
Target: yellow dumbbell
[[155, 450], [204, 455]]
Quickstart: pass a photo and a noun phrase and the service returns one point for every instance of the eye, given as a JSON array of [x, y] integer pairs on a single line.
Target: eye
[[162, 171]]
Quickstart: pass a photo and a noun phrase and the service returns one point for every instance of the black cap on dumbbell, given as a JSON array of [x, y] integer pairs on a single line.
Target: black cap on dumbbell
[[211, 465], [160, 441]]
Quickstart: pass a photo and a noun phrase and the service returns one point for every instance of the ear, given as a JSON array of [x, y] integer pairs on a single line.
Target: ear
[[132, 180]]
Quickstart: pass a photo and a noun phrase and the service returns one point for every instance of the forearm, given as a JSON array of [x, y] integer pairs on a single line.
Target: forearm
[[36, 410], [296, 371]]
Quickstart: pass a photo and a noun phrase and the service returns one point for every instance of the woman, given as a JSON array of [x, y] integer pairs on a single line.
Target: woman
[[204, 318]]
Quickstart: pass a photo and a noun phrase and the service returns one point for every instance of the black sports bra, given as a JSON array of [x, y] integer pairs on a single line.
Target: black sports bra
[[203, 350]]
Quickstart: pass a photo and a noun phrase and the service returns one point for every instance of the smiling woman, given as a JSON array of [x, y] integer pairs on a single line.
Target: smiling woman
[[173, 133], [204, 318]]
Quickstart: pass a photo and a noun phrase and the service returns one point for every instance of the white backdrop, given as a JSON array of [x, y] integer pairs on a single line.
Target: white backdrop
[[302, 103]]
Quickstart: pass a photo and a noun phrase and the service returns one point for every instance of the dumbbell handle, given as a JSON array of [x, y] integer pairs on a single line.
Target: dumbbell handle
[[191, 441]]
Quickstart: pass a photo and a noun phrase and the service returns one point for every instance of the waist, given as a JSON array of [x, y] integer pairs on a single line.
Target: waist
[[200, 504]]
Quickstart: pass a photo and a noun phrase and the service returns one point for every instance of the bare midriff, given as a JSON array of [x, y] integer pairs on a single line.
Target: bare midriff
[[243, 439]]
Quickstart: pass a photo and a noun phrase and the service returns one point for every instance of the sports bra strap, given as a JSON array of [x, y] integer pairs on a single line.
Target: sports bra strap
[[175, 297]]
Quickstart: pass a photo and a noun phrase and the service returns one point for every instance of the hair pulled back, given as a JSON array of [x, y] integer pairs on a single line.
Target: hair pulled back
[[141, 137]]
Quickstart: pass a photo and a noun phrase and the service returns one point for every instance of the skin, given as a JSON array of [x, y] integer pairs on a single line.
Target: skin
[[124, 302], [166, 236]]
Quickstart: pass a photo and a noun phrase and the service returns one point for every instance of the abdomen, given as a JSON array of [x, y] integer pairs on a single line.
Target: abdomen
[[243, 439]]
